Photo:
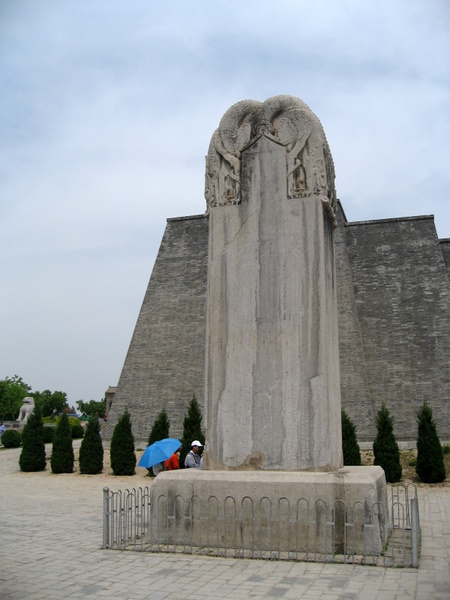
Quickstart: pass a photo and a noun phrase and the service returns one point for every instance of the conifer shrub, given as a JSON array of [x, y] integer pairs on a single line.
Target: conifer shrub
[[386, 452], [62, 450], [160, 429], [48, 432], [11, 438], [350, 447], [73, 421], [192, 429], [123, 457], [32, 457], [91, 450], [430, 467]]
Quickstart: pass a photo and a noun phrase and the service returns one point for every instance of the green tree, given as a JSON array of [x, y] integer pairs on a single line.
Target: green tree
[[50, 402], [160, 429], [91, 450], [123, 457], [92, 408], [350, 447], [12, 392], [192, 428], [385, 448], [430, 466], [62, 450], [32, 457]]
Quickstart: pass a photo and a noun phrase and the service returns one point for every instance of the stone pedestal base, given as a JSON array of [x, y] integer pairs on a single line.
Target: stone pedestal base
[[342, 512]]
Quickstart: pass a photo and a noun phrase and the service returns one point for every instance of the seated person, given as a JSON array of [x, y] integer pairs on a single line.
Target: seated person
[[173, 462]]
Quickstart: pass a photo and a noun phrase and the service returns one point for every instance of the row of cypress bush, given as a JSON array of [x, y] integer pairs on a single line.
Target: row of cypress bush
[[123, 456], [32, 457], [430, 467]]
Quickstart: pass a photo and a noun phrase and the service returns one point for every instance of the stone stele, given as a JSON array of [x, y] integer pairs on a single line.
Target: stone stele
[[272, 364], [272, 384]]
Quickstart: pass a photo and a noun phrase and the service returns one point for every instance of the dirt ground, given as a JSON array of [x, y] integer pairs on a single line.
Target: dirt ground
[[141, 478], [408, 461]]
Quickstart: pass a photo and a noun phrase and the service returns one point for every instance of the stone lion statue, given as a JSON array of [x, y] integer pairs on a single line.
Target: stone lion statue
[[25, 410]]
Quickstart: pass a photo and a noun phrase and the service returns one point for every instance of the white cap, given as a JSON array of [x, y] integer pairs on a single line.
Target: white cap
[[196, 443]]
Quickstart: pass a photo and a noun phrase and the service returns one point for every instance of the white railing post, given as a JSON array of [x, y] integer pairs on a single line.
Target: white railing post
[[415, 532], [106, 517]]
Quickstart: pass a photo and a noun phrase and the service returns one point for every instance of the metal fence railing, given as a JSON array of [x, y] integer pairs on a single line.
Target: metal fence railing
[[385, 534]]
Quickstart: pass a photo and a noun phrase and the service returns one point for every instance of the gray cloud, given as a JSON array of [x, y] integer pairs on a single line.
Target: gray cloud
[[107, 112]]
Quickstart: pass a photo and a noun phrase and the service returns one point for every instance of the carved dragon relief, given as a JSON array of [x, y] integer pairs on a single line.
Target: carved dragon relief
[[289, 122]]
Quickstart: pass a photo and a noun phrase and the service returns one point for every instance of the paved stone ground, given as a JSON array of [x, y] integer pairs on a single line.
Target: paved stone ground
[[51, 536]]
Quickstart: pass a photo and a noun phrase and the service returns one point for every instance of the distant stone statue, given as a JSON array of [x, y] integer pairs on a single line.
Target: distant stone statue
[[25, 410]]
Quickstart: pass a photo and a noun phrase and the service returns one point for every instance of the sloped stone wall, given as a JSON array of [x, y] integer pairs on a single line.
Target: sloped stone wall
[[401, 299], [393, 318], [165, 362]]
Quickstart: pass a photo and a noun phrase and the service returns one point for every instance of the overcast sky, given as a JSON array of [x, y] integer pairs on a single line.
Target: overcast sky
[[107, 110]]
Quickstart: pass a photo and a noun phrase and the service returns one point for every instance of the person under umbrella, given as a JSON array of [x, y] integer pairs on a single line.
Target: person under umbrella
[[157, 453], [173, 463]]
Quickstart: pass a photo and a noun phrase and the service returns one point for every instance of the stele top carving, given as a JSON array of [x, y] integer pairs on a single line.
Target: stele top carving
[[287, 121]]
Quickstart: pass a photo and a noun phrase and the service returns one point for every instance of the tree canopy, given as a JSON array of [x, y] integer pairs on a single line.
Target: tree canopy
[[12, 392], [50, 402], [92, 408]]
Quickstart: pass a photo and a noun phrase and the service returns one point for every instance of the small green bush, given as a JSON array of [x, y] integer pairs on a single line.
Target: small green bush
[[446, 449], [11, 438], [160, 429], [74, 421], [123, 456], [91, 449], [51, 420], [192, 428], [32, 457], [430, 466], [62, 452], [48, 432], [386, 452], [77, 432], [350, 447]]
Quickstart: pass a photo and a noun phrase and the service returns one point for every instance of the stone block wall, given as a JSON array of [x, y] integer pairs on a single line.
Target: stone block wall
[[394, 326], [165, 362], [401, 303]]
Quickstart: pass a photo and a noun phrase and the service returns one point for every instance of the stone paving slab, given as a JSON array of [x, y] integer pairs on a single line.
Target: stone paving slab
[[50, 548]]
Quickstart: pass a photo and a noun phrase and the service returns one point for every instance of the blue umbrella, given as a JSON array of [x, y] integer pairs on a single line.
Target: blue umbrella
[[159, 452]]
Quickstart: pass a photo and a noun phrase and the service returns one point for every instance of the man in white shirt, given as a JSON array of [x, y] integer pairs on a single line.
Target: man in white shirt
[[192, 460]]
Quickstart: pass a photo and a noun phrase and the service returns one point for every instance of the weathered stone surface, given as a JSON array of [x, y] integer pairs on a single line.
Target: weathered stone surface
[[272, 391], [310, 498], [288, 121]]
